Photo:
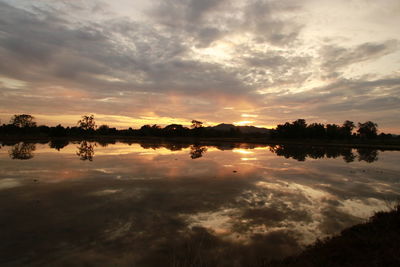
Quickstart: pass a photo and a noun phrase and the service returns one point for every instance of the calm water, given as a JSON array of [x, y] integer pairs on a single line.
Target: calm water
[[182, 205]]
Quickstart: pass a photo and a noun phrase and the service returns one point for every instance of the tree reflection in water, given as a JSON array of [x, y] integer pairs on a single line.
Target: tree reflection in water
[[185, 212], [367, 154], [58, 144], [197, 151], [22, 151], [169, 146], [85, 151], [300, 153]]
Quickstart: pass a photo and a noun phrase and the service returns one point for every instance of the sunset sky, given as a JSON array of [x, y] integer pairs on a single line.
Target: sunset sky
[[258, 62]]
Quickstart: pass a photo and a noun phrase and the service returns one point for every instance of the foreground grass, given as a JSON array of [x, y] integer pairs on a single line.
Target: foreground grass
[[374, 243]]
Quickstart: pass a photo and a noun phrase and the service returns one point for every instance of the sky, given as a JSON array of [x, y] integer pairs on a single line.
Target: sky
[[248, 62]]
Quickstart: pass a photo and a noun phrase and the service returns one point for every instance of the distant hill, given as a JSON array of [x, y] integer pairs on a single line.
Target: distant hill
[[243, 129]]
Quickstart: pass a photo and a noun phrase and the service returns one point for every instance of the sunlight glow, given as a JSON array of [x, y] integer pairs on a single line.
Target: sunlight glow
[[249, 116], [248, 159], [242, 123], [219, 52], [242, 151], [12, 83]]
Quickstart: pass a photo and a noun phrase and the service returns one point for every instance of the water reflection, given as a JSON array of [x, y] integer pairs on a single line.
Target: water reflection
[[367, 154], [22, 151], [169, 146], [105, 143], [86, 150], [152, 205], [58, 144], [300, 153], [197, 151]]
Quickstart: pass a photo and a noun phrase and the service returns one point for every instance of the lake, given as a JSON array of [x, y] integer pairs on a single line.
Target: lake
[[169, 204]]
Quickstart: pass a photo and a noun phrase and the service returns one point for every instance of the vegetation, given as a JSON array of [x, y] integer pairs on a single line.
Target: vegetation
[[367, 129], [24, 125], [300, 129], [23, 120], [374, 243], [87, 123]]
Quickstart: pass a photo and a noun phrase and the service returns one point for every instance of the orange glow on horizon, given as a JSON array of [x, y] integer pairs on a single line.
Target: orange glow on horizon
[[243, 123], [122, 122]]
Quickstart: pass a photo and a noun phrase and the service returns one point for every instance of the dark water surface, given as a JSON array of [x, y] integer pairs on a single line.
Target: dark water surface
[[93, 204]]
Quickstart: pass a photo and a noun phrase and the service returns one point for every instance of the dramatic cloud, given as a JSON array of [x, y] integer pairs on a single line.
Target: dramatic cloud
[[335, 57], [213, 60]]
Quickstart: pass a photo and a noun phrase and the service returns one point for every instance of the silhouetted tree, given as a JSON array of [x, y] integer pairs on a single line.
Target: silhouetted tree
[[175, 130], [316, 130], [368, 129], [196, 124], [87, 123], [23, 120], [147, 130], [24, 125], [173, 127], [296, 129], [301, 123], [103, 129], [56, 131], [347, 128], [333, 131]]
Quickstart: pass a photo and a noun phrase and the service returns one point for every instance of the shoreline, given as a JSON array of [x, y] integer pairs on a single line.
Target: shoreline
[[375, 144], [371, 243]]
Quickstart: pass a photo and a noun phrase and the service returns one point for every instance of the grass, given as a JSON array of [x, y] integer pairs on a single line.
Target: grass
[[373, 243]]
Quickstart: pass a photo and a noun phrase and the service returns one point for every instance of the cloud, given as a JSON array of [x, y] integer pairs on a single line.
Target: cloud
[[265, 19], [354, 99], [182, 12], [264, 210], [335, 57], [192, 17], [186, 59], [274, 68], [210, 20]]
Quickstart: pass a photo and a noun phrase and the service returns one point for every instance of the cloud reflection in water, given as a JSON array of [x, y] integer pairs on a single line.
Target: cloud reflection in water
[[129, 206]]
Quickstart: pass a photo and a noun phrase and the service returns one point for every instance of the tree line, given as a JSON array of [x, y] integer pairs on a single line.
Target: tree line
[[348, 130], [26, 125]]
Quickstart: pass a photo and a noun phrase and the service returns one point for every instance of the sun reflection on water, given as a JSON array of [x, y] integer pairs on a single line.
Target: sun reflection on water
[[240, 195]]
